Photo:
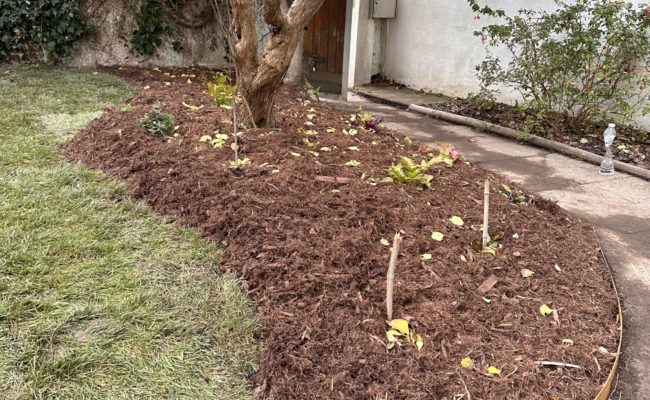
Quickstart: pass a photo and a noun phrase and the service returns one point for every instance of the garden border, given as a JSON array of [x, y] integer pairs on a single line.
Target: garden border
[[606, 391], [530, 139]]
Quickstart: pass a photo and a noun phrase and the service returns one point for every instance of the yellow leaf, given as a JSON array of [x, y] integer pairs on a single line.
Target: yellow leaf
[[545, 310], [234, 146], [567, 342], [294, 154], [526, 273], [456, 220], [331, 130], [393, 336], [419, 342], [400, 325], [492, 370], [384, 242], [426, 257], [466, 362], [353, 148], [353, 163], [437, 236]]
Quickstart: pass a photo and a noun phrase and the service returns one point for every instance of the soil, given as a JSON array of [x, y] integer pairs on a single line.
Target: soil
[[631, 145], [310, 254]]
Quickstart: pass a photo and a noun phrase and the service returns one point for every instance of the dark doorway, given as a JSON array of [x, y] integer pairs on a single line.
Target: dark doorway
[[324, 42]]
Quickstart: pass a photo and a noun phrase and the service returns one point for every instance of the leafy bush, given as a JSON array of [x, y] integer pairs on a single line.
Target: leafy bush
[[221, 90], [366, 121], [158, 123], [47, 30], [409, 173], [588, 58]]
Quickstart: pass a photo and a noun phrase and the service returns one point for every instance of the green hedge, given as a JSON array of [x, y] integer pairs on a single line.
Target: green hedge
[[45, 30]]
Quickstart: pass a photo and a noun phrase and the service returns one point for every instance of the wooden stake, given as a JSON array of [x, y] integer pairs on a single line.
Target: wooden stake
[[390, 278], [486, 213]]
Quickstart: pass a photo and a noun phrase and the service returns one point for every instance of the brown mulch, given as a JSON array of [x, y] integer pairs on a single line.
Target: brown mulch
[[631, 146], [310, 255]]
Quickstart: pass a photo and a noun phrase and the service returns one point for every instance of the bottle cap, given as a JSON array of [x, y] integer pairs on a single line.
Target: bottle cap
[[612, 125]]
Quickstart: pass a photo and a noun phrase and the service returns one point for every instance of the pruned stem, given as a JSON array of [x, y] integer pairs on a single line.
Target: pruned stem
[[486, 213], [390, 277]]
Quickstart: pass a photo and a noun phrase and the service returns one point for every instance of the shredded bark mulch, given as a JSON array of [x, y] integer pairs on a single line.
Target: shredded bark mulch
[[631, 146], [310, 255]]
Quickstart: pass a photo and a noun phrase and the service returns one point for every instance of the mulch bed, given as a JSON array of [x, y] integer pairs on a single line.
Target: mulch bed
[[310, 255], [631, 146]]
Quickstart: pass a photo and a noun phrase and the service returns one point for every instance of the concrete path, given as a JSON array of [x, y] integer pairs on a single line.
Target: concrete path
[[618, 207]]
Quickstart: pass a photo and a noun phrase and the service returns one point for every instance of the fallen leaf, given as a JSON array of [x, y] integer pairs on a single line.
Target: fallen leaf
[[353, 148], [419, 342], [353, 163], [526, 273], [294, 154], [325, 149], [437, 236], [456, 220], [492, 370], [384, 242], [466, 362], [393, 335], [331, 130], [426, 256], [584, 140], [487, 300], [567, 342], [545, 310], [400, 325]]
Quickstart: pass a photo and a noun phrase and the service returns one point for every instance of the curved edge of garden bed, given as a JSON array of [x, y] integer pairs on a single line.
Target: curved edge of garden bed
[[609, 385], [530, 139]]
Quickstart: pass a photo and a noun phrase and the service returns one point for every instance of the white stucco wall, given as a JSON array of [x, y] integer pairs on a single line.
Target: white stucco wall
[[430, 45]]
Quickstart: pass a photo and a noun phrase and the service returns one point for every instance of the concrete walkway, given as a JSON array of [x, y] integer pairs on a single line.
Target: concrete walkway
[[618, 207]]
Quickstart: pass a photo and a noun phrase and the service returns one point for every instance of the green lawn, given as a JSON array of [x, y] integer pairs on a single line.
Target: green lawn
[[99, 297]]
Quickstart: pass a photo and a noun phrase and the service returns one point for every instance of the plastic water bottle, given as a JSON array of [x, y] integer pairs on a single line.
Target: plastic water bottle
[[607, 166]]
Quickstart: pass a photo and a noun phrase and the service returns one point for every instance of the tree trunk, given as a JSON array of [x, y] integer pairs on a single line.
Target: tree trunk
[[259, 81]]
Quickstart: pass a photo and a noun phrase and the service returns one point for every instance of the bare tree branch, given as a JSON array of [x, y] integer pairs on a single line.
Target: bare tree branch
[[274, 15], [301, 11]]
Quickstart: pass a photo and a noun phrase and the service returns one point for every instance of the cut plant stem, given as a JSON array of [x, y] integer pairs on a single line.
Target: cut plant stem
[[486, 213], [557, 364], [390, 278]]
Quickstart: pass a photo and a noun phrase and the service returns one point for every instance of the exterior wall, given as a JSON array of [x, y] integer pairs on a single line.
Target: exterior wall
[[431, 46], [115, 21], [365, 43]]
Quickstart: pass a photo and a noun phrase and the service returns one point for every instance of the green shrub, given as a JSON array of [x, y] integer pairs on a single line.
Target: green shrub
[[587, 59], [46, 30], [158, 123]]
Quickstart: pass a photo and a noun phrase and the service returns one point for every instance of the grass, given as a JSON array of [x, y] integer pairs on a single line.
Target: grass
[[99, 297]]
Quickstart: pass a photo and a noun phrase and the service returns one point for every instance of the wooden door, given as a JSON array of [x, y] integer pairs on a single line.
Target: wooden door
[[325, 37]]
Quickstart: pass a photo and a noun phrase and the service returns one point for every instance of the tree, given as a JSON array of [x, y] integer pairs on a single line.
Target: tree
[[259, 80]]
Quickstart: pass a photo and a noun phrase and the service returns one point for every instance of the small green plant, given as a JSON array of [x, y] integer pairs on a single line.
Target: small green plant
[[221, 90], [217, 141], [158, 123], [407, 172], [318, 93], [239, 163], [366, 121]]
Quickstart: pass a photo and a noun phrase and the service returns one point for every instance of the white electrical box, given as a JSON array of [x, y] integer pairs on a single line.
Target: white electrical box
[[383, 8]]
